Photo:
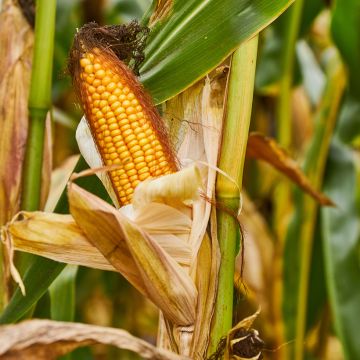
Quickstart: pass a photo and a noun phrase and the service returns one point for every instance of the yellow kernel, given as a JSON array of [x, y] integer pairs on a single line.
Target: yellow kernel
[[112, 99], [124, 155], [129, 191], [106, 81], [129, 166], [132, 143], [129, 138], [127, 186], [122, 121], [149, 159], [136, 149], [90, 78], [97, 67], [132, 172], [103, 103], [106, 132], [96, 96], [122, 97], [96, 82], [99, 115], [122, 117], [115, 132], [121, 172], [111, 86], [123, 182], [124, 200], [126, 90], [135, 183], [117, 161], [109, 115], [143, 142], [113, 126], [129, 110], [140, 114], [125, 127], [113, 155], [112, 120], [111, 150], [143, 176], [119, 110], [94, 110], [163, 164], [96, 103], [133, 178], [116, 78], [115, 105], [159, 154], [130, 96], [127, 132], [108, 139], [138, 131], [101, 121], [139, 159], [119, 143], [141, 165], [84, 62], [117, 92], [89, 69], [141, 135], [91, 89], [103, 127], [117, 138], [100, 89], [106, 109], [100, 74], [148, 132], [134, 103], [132, 118], [105, 95], [125, 103]]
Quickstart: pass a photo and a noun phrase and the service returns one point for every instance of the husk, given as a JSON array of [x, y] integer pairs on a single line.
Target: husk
[[136, 255]]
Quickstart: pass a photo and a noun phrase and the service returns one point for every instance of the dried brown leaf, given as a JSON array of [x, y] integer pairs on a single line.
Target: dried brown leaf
[[16, 42], [46, 340], [266, 149]]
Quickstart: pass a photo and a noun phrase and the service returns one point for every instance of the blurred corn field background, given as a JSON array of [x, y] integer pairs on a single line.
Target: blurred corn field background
[[285, 84]]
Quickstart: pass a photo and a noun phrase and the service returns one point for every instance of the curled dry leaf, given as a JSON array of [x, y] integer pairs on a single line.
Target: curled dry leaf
[[136, 255], [46, 340], [266, 149]]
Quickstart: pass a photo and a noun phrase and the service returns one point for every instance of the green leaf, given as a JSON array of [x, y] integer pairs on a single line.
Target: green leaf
[[341, 233], [196, 36], [62, 295], [346, 33]]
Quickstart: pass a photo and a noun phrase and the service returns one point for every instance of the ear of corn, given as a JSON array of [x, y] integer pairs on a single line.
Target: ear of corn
[[125, 125]]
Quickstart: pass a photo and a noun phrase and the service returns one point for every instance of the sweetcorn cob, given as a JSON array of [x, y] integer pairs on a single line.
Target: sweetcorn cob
[[125, 125]]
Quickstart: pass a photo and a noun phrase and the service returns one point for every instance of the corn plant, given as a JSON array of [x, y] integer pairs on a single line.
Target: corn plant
[[174, 107]]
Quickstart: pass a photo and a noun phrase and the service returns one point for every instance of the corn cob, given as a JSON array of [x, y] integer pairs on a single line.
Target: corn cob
[[125, 125]]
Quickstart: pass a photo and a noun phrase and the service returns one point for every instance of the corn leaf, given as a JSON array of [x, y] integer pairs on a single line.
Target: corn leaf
[[341, 237], [181, 39], [46, 340]]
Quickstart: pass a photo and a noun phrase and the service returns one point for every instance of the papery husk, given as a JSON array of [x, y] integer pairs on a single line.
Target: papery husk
[[16, 44], [47, 340], [136, 255], [195, 117]]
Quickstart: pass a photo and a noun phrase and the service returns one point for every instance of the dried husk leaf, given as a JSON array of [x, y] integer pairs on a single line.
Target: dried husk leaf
[[56, 237], [16, 42], [45, 339], [266, 149], [132, 252]]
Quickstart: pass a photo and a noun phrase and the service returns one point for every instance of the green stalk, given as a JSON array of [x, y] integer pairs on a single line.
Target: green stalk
[[314, 168], [283, 111], [39, 102], [39, 106], [235, 135]]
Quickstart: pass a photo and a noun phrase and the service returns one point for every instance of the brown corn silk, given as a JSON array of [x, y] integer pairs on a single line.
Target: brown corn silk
[[127, 129]]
